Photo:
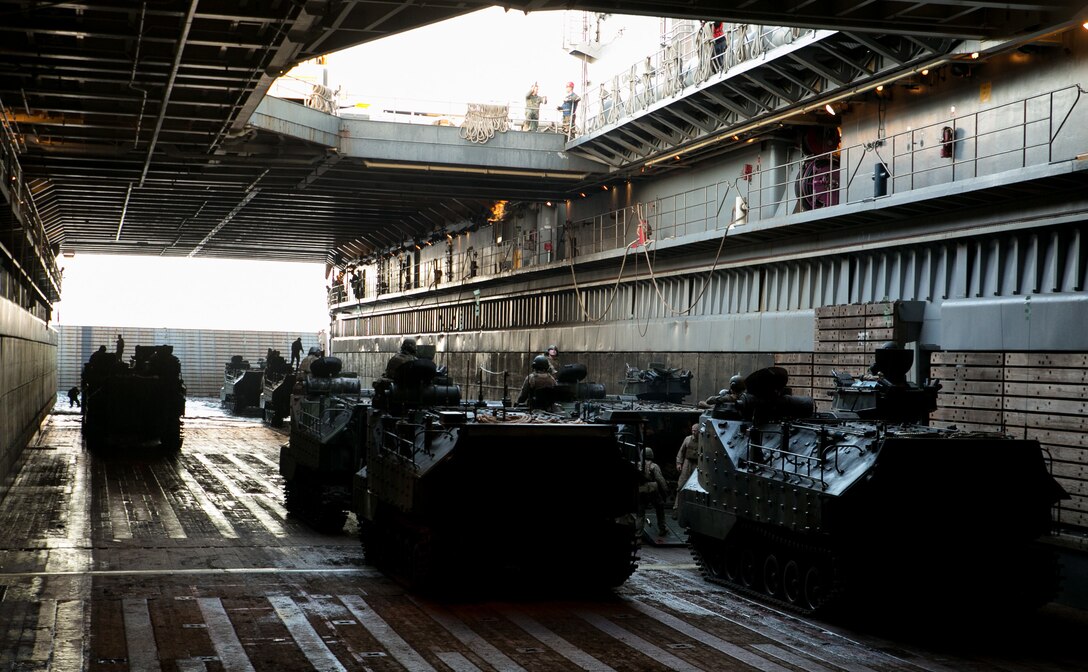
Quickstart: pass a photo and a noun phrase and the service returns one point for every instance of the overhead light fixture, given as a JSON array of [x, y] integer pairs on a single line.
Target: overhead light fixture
[[1084, 25], [604, 186], [830, 109], [582, 194], [925, 71], [677, 157], [549, 204], [879, 88], [974, 54]]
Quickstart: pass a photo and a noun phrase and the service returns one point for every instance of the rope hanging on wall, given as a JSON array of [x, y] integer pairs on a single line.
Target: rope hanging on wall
[[483, 121]]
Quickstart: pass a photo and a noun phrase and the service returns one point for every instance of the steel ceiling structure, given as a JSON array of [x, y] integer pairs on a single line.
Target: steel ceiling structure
[[130, 118]]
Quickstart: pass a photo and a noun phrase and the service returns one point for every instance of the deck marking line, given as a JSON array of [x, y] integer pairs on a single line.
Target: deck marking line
[[794, 639], [475, 643], [272, 493], [703, 637], [385, 634], [643, 646], [247, 500], [143, 655], [68, 637], [210, 509], [115, 501], [790, 657], [456, 661], [309, 642], [231, 653], [44, 632], [167, 516], [555, 642]]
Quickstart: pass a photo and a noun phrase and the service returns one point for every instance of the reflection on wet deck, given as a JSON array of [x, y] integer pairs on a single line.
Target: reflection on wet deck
[[190, 562]]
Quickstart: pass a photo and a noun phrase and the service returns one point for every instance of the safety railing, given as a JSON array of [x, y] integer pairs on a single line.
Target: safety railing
[[1004, 138], [1032, 131], [324, 418], [32, 244], [762, 454], [691, 57], [418, 111], [687, 60]]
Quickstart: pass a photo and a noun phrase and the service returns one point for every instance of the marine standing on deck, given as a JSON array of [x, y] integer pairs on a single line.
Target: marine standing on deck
[[73, 397], [652, 491], [552, 355], [686, 458], [407, 354], [538, 379], [120, 348], [296, 353], [313, 355], [533, 99]]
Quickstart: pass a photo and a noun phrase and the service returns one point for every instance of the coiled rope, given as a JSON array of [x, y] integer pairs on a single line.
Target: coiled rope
[[483, 121]]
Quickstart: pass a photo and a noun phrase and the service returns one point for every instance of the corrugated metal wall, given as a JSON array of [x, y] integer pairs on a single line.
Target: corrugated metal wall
[[202, 352]]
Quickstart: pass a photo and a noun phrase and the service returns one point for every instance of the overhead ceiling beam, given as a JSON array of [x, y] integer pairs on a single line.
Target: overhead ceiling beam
[[186, 26]]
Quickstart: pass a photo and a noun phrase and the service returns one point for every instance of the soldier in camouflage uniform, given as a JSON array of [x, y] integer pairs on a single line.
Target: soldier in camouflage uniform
[[652, 491], [407, 354], [552, 355], [686, 458], [538, 379]]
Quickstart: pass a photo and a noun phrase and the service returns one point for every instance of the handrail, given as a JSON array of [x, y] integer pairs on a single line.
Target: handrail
[[1004, 138], [687, 60], [23, 207]]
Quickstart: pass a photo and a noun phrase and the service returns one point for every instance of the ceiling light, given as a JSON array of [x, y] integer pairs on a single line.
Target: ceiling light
[[880, 88], [974, 54], [582, 194], [1084, 25], [604, 186], [830, 110], [549, 204], [925, 71]]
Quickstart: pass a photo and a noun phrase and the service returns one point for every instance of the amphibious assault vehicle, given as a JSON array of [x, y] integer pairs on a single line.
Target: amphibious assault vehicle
[[468, 491], [657, 382], [133, 405], [278, 382], [241, 385], [328, 438], [814, 510]]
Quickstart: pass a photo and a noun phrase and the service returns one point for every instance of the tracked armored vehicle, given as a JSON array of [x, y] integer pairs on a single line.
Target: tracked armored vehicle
[[328, 435], [133, 406], [866, 503], [276, 387], [241, 385], [657, 382], [456, 494]]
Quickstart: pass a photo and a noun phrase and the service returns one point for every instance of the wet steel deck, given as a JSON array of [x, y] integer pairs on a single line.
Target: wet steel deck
[[189, 562]]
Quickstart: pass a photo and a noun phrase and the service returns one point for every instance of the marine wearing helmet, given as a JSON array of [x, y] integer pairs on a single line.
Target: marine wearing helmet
[[406, 354], [736, 388], [539, 378], [552, 355]]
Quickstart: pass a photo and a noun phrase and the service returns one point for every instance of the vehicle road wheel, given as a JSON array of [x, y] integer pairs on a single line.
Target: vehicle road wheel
[[748, 570], [791, 582], [772, 575], [815, 590]]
